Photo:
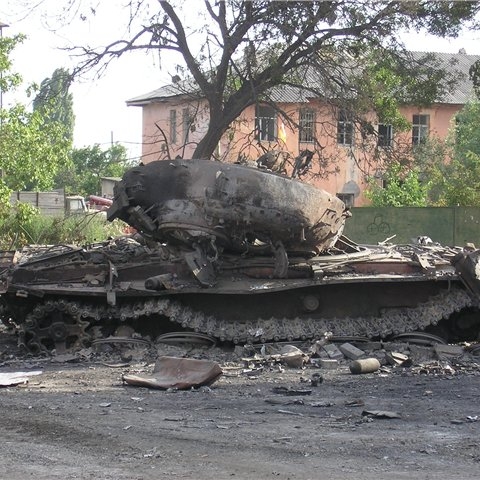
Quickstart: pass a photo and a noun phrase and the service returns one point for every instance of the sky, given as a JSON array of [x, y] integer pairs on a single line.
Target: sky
[[101, 114]]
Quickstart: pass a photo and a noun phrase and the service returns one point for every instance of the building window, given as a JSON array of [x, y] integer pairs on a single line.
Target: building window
[[307, 125], [186, 121], [420, 129], [347, 198], [344, 129], [173, 126], [265, 123], [385, 135]]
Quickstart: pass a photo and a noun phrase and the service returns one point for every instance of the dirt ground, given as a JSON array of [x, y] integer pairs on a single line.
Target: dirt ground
[[78, 420]]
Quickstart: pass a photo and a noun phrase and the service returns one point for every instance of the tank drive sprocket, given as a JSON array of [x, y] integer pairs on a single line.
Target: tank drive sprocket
[[56, 325]]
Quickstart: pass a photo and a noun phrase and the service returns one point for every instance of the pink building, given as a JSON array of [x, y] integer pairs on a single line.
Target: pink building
[[174, 121]]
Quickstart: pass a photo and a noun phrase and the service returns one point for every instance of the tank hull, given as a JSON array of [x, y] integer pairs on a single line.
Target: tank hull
[[238, 254]]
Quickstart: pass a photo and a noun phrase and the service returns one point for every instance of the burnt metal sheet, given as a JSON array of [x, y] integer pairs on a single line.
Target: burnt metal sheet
[[181, 373]]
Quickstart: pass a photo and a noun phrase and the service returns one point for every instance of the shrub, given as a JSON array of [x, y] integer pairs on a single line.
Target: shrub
[[22, 227]]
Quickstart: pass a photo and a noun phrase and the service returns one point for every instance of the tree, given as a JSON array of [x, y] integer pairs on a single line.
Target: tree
[[440, 173], [91, 163], [401, 187], [55, 102], [458, 180], [32, 146], [33, 149], [236, 52], [8, 79]]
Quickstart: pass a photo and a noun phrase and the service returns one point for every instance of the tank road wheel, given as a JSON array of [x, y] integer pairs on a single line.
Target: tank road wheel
[[54, 325]]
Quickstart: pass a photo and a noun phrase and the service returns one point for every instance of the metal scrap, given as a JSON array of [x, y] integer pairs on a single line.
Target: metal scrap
[[11, 379], [380, 414], [178, 373]]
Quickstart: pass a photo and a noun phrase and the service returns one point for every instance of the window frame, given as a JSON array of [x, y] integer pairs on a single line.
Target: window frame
[[186, 123], [385, 140], [173, 126], [265, 123], [420, 130], [306, 121], [344, 129]]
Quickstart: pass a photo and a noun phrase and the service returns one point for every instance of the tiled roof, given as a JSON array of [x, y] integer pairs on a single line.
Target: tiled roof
[[177, 89], [457, 63]]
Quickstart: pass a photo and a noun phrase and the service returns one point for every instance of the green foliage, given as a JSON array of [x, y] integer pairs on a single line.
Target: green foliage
[[389, 80], [33, 149], [14, 222], [458, 180], [445, 173], [403, 188], [8, 80], [26, 226], [4, 199], [89, 164], [55, 102], [466, 132], [475, 77], [32, 146], [430, 158], [238, 53]]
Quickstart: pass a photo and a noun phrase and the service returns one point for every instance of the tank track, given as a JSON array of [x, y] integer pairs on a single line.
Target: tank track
[[390, 321]]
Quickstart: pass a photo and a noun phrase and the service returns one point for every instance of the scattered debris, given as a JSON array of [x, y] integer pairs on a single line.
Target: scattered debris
[[178, 373], [291, 391], [398, 359], [380, 414], [282, 439], [333, 352], [447, 352], [434, 368], [317, 345], [293, 356], [277, 401], [327, 363], [366, 365], [351, 352], [65, 358], [288, 412], [322, 404], [12, 379], [357, 402], [316, 380]]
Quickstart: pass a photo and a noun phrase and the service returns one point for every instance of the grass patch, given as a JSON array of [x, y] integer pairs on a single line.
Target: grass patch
[[16, 232]]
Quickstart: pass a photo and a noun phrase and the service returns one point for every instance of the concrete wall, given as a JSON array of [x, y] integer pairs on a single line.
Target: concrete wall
[[445, 225], [49, 203]]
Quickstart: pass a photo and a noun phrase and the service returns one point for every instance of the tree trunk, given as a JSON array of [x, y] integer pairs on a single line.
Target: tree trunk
[[206, 147]]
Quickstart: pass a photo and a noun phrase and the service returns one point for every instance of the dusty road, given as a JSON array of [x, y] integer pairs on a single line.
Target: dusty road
[[79, 421]]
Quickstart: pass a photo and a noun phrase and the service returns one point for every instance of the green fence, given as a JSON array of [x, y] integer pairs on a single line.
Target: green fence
[[445, 225]]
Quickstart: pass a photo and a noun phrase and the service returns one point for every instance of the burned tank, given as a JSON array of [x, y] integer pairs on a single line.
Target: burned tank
[[238, 208], [239, 254]]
